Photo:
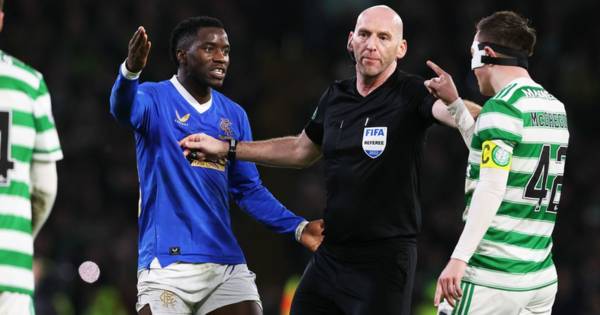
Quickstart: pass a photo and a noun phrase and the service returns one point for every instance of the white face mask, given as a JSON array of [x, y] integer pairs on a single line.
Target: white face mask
[[477, 54]]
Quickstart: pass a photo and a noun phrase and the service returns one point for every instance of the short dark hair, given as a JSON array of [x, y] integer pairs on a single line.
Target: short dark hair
[[508, 29], [1, 5], [183, 34]]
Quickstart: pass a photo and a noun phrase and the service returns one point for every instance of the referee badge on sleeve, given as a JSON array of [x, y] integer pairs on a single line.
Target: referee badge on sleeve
[[373, 141]]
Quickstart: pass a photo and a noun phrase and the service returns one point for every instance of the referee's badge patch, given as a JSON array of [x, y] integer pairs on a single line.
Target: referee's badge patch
[[373, 141]]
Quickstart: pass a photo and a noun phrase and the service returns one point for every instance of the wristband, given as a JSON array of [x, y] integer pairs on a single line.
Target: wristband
[[299, 230], [232, 149], [128, 74]]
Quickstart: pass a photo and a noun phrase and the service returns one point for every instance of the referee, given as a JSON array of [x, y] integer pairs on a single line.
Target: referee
[[369, 131]]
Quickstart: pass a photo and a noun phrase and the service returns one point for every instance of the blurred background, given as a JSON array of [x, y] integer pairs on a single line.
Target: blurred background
[[284, 54]]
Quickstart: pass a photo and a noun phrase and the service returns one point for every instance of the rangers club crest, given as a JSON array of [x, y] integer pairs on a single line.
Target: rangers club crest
[[373, 141], [225, 125]]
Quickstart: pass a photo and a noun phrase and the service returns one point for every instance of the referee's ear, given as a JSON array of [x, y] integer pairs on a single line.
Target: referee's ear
[[349, 46], [402, 48]]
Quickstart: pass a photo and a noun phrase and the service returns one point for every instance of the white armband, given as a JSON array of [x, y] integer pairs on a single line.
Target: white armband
[[128, 74], [299, 230], [463, 119]]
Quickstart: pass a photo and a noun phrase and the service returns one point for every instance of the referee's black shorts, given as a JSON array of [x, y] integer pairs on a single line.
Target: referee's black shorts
[[362, 280]]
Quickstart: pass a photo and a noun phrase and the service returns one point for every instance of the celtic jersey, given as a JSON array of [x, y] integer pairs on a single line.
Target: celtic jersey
[[27, 133], [515, 252]]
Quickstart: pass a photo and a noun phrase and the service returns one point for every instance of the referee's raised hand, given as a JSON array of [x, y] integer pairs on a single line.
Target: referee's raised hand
[[139, 49]]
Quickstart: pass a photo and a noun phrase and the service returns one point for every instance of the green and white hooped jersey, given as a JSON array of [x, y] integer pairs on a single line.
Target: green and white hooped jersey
[[27, 133], [515, 253]]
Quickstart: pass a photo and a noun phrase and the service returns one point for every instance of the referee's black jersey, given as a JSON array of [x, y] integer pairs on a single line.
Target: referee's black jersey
[[372, 150]]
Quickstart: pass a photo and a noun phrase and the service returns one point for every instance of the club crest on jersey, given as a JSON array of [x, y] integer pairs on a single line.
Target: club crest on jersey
[[225, 125], [182, 120], [374, 140]]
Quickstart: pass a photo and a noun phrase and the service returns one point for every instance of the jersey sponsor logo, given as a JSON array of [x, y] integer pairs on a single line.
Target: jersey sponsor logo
[[182, 120], [494, 156], [218, 165], [374, 140]]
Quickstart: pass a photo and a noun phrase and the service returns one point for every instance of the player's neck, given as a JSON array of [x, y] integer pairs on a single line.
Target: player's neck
[[200, 92], [365, 84], [503, 76]]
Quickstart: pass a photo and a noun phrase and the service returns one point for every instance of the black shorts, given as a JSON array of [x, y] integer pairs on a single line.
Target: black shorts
[[351, 281]]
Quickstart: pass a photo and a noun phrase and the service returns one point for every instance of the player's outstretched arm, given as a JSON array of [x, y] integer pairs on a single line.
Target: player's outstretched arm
[[292, 152], [123, 94]]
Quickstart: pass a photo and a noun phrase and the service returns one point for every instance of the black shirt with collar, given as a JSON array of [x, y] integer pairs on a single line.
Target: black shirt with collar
[[372, 199]]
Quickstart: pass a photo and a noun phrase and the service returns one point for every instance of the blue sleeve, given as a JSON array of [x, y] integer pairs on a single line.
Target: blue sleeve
[[128, 104], [248, 192]]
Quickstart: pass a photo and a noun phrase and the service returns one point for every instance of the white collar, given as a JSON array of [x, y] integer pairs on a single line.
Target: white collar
[[201, 108]]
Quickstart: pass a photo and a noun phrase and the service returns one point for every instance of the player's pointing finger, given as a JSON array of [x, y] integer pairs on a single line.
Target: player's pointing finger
[[439, 71]]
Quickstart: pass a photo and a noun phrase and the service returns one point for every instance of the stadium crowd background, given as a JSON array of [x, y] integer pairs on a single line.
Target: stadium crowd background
[[284, 54]]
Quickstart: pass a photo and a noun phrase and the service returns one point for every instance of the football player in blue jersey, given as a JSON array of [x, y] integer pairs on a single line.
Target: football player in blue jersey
[[189, 259]]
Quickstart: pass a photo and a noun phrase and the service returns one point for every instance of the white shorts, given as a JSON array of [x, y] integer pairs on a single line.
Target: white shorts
[[482, 300], [16, 304], [195, 289]]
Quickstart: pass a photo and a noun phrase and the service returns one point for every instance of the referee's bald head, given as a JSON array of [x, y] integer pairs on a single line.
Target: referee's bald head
[[382, 13]]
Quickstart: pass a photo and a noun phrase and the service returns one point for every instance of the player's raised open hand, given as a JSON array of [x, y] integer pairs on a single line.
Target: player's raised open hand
[[139, 48], [441, 86]]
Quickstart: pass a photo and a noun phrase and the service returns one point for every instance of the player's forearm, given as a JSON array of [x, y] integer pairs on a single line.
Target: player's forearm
[[252, 197], [266, 209], [486, 200], [441, 114], [278, 152], [473, 108], [43, 194], [464, 116], [460, 114], [123, 94]]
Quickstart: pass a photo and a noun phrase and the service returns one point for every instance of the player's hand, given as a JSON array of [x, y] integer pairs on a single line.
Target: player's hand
[[312, 235], [139, 48], [448, 284], [441, 86], [204, 146]]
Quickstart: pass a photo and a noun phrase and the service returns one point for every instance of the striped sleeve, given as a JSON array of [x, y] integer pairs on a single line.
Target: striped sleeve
[[47, 145], [500, 121]]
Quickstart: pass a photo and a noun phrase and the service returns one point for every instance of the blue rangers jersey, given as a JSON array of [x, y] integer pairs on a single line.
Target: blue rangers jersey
[[184, 206]]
